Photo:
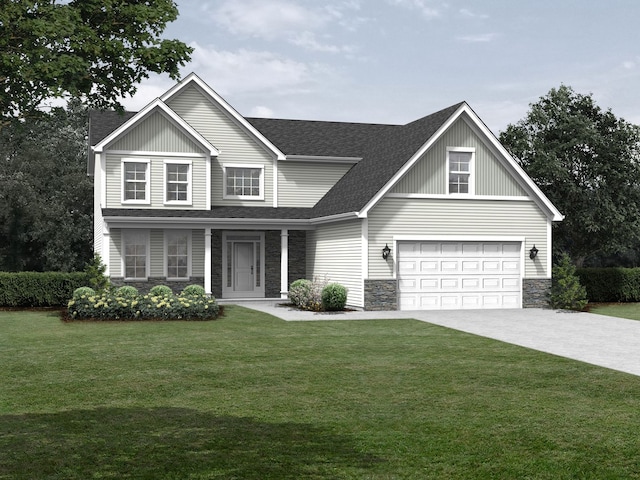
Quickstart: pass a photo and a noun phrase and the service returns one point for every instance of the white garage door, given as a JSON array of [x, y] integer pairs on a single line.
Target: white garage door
[[452, 275]]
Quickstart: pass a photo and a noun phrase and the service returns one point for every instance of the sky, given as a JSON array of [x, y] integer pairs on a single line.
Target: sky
[[394, 61]]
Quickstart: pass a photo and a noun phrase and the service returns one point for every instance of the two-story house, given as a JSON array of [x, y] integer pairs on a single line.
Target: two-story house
[[433, 214]]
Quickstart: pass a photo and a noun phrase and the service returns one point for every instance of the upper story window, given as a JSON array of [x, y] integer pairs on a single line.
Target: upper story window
[[177, 183], [460, 169], [244, 182], [135, 181]]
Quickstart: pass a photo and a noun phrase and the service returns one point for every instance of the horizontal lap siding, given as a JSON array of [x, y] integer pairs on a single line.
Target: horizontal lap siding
[[429, 175], [115, 253], [463, 218], [334, 251], [302, 184], [156, 240], [114, 182], [235, 144], [197, 253]]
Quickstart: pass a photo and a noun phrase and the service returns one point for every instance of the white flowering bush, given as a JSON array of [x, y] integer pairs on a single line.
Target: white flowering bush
[[113, 305]]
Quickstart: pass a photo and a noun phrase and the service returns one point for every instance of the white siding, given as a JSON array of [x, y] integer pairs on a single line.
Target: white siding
[[114, 181], [335, 251], [302, 184], [197, 253], [115, 253], [462, 218], [156, 240], [234, 143]]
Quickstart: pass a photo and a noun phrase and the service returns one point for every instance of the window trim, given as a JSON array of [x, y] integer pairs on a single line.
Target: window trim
[[167, 234], [189, 199], [472, 162], [126, 234], [227, 196], [147, 188]]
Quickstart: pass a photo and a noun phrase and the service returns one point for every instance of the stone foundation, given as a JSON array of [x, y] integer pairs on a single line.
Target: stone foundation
[[381, 294], [143, 287], [536, 292]]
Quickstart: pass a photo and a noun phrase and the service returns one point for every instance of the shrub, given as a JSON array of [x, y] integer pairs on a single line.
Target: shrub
[[299, 292], [566, 291], [334, 297], [39, 289], [95, 270], [86, 291], [127, 291], [193, 290], [160, 291], [611, 284]]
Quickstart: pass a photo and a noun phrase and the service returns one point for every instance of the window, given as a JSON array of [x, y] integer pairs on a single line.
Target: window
[[178, 245], [135, 180], [136, 254], [460, 163], [243, 182], [177, 182]]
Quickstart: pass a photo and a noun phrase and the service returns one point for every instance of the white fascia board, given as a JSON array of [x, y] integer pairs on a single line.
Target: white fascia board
[[458, 238], [555, 214], [334, 218], [540, 197], [323, 159], [159, 105], [192, 78], [217, 223], [412, 161]]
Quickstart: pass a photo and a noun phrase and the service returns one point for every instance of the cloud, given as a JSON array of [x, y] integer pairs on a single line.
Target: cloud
[[468, 13], [422, 6], [309, 41], [267, 19], [629, 65], [261, 111], [480, 38]]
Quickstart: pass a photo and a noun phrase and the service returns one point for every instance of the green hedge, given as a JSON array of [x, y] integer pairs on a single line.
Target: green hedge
[[35, 289], [611, 284]]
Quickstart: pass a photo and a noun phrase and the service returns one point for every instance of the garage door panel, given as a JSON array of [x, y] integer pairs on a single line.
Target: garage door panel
[[453, 275]]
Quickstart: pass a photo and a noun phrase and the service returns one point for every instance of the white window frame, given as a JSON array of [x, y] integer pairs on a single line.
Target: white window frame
[[167, 163], [471, 172], [167, 235], [127, 236], [228, 196], [147, 187]]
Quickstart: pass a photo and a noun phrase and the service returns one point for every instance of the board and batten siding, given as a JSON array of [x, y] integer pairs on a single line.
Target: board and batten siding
[[302, 184], [456, 218], [429, 175], [335, 251], [236, 145], [114, 181], [156, 134]]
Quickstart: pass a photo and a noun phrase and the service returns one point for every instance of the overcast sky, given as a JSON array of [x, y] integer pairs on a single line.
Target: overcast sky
[[393, 61]]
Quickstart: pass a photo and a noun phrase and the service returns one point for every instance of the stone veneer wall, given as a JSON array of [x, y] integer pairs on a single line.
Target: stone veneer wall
[[297, 247], [297, 255], [143, 287], [535, 292], [381, 294]]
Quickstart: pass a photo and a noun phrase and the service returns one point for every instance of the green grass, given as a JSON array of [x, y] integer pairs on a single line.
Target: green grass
[[622, 310], [253, 397]]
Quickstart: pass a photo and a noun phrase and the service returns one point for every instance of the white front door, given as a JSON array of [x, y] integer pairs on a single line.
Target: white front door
[[243, 265]]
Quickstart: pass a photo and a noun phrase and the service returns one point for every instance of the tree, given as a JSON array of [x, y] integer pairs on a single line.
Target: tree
[[46, 197], [95, 49], [587, 161]]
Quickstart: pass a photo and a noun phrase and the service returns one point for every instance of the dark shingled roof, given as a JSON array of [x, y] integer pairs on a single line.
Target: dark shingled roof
[[384, 149]]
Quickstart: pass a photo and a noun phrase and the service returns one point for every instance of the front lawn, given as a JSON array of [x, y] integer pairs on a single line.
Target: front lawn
[[622, 310], [251, 397]]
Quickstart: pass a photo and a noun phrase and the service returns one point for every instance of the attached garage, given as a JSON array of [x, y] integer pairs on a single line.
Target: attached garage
[[436, 275]]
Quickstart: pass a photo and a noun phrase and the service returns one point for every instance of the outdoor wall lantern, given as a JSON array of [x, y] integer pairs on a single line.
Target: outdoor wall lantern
[[533, 253], [386, 251]]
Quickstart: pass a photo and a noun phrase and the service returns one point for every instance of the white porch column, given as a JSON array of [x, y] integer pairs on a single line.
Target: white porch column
[[284, 262], [207, 261]]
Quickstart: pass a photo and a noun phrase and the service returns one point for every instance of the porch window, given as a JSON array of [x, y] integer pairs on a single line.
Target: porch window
[[460, 167], [178, 245], [244, 182], [177, 182], [135, 181], [136, 255]]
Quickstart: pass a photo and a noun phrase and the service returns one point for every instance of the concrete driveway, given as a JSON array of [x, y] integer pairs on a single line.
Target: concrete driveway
[[600, 340]]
